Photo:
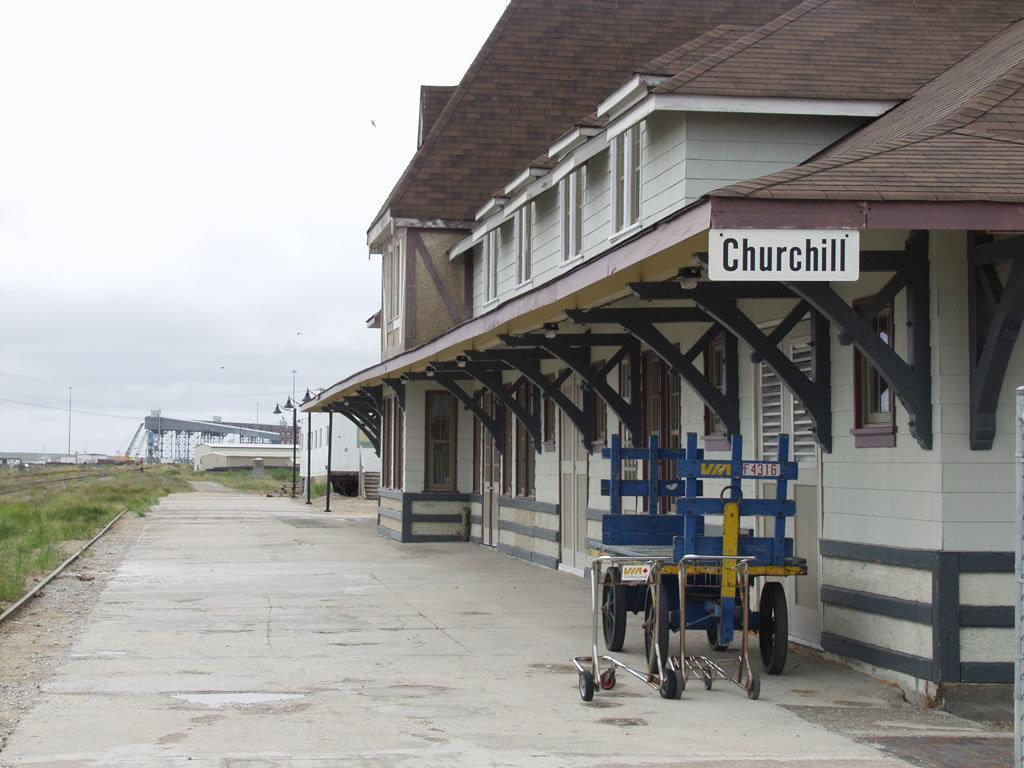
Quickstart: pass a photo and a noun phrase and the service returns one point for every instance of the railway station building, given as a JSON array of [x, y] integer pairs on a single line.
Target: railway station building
[[550, 277]]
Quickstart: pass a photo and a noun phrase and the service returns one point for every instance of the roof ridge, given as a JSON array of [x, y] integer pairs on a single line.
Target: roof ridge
[[442, 120], [754, 37]]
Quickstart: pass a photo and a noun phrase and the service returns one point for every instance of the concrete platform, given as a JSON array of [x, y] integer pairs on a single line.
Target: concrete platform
[[252, 632]]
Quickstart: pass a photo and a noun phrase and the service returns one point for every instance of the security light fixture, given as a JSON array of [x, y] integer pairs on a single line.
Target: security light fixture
[[550, 330], [277, 409], [431, 370], [404, 379], [688, 277], [461, 361], [308, 396]]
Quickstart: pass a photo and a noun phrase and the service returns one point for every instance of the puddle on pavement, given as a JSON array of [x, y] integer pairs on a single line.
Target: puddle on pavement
[[218, 699], [623, 722], [554, 667]]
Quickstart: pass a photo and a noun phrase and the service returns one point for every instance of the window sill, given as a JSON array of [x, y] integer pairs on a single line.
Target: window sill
[[523, 286], [716, 443], [876, 436], [570, 263], [622, 234], [489, 303]]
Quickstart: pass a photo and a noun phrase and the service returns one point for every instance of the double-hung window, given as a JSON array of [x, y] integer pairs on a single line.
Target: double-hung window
[[490, 252], [573, 188], [524, 243], [393, 278], [874, 403], [626, 156], [441, 427]]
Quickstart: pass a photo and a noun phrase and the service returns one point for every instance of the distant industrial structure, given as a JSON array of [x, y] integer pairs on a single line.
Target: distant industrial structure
[[161, 439], [224, 456]]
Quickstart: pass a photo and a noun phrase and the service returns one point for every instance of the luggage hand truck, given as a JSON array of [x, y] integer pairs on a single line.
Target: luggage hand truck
[[663, 674]]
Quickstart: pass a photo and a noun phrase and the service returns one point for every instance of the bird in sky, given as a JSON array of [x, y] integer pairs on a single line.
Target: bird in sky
[[373, 123]]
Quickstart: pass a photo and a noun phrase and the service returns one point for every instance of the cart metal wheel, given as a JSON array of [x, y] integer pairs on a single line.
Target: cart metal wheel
[[607, 679], [613, 611], [662, 627], [680, 683], [586, 685], [753, 686], [773, 633], [712, 633], [669, 686]]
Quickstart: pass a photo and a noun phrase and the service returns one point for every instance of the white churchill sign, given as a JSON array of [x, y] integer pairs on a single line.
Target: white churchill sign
[[794, 255]]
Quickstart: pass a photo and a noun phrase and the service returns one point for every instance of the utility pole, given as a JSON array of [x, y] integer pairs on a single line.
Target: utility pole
[[69, 421], [257, 414]]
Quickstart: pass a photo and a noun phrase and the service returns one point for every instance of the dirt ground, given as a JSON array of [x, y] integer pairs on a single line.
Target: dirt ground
[[37, 638]]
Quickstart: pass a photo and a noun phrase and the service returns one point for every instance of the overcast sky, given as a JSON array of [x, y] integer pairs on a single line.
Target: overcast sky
[[185, 187]]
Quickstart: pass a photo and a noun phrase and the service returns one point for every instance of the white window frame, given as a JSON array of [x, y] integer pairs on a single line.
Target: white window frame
[[490, 264], [523, 224], [626, 154], [572, 195], [395, 278]]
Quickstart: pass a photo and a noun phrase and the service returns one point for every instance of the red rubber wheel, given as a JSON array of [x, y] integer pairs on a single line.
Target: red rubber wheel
[[607, 679]]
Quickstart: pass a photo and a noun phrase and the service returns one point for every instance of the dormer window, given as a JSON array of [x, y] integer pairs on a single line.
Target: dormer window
[[490, 254], [572, 192], [524, 243], [626, 158], [393, 284]]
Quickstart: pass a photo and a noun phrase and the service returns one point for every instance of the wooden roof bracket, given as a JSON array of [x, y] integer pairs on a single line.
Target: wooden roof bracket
[[371, 433], [530, 419], [492, 424], [719, 302], [910, 379], [640, 323], [574, 350], [398, 387], [526, 362], [995, 314]]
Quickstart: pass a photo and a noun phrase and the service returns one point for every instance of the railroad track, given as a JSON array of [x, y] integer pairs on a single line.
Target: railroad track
[[21, 486]]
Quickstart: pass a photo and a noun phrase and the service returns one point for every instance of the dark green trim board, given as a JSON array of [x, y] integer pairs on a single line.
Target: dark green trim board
[[986, 672], [880, 605], [922, 559], [530, 557], [944, 614], [596, 514], [908, 664], [529, 530], [476, 519], [530, 505], [985, 616], [946, 618]]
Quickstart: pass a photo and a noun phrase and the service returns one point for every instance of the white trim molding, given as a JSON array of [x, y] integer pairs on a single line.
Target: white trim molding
[[627, 94], [764, 105]]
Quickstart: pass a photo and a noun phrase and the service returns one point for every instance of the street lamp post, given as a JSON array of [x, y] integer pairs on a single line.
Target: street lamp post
[[289, 406], [309, 449]]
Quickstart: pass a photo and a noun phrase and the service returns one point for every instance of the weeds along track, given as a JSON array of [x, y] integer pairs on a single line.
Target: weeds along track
[[16, 485]]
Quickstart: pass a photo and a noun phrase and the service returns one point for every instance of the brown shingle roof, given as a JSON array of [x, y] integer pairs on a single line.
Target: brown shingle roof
[[848, 49], [544, 61], [960, 137], [432, 101]]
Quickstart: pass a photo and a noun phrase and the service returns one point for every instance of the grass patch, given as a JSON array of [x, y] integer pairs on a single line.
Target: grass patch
[[276, 480], [35, 522]]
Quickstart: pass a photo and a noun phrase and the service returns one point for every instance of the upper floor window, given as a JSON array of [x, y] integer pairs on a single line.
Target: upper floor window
[[524, 243], [490, 250], [393, 283], [573, 188], [626, 178]]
